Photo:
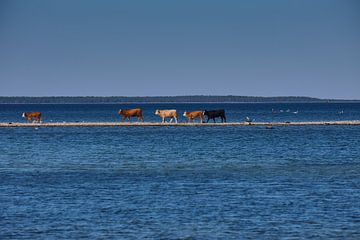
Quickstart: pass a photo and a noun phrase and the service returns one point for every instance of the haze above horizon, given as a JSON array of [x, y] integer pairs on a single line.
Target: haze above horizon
[[164, 48]]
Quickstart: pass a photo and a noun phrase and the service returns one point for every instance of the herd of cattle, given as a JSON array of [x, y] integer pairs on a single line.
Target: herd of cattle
[[163, 114]]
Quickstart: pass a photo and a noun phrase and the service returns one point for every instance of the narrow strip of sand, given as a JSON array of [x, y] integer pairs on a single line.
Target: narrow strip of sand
[[157, 124]]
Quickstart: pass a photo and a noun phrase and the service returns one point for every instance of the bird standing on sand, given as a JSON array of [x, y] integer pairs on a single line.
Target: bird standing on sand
[[249, 120]]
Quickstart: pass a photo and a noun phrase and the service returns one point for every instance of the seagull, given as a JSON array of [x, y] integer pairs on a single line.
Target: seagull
[[248, 120], [296, 112]]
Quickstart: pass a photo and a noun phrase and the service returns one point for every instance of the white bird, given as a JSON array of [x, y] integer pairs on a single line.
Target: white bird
[[248, 120], [296, 112]]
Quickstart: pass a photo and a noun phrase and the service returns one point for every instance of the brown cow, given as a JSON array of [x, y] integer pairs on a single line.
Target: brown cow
[[127, 113], [195, 114], [167, 114], [32, 115]]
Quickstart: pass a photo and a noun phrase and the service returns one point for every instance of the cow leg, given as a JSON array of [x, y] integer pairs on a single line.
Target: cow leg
[[163, 120], [123, 119], [176, 120], [129, 119], [214, 120], [224, 119]]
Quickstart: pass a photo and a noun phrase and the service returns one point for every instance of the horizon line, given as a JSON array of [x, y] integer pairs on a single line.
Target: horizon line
[[174, 96]]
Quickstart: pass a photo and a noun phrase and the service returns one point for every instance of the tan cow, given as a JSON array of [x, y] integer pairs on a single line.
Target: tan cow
[[167, 114], [128, 113], [195, 114], [32, 115]]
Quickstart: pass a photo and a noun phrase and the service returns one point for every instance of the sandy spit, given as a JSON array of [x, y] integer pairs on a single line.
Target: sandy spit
[[154, 124]]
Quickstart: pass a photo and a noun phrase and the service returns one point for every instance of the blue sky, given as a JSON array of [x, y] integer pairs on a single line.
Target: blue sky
[[151, 48]]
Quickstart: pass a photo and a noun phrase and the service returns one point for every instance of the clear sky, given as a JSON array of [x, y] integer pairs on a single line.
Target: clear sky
[[185, 47]]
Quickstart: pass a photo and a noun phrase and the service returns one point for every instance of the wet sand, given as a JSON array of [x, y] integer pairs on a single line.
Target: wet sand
[[158, 124]]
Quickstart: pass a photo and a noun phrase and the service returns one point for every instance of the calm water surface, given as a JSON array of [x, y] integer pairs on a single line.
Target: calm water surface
[[181, 182]]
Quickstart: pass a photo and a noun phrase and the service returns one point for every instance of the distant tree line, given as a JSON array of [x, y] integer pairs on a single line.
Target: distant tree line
[[194, 98]]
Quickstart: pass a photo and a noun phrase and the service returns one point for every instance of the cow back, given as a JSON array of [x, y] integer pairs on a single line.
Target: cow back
[[214, 113], [130, 112]]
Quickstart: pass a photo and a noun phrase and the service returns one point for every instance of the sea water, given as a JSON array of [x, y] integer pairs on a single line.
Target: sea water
[[181, 182]]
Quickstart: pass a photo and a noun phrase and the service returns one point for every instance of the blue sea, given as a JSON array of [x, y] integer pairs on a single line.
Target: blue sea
[[208, 182]]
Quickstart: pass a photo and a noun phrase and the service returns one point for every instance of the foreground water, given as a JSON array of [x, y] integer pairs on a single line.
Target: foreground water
[[180, 182]]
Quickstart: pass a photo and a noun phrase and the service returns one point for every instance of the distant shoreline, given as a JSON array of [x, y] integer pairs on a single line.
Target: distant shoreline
[[167, 100], [126, 103]]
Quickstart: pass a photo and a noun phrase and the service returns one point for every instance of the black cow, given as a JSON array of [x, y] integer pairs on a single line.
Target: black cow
[[220, 113]]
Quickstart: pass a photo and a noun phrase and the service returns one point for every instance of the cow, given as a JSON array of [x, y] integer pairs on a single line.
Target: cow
[[220, 113], [195, 114], [167, 114], [128, 113], [32, 115]]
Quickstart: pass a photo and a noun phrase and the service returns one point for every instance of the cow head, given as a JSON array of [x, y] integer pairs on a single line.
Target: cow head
[[185, 113], [23, 115], [157, 112], [205, 112], [120, 111]]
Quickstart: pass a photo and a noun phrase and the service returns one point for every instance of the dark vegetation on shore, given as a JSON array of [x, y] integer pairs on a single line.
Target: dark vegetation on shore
[[181, 99]]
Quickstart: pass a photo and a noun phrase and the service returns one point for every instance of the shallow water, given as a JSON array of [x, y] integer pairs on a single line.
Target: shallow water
[[179, 182]]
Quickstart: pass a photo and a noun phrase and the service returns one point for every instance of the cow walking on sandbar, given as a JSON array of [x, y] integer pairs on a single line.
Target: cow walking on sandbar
[[195, 114], [167, 114], [220, 113], [128, 113], [32, 115]]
